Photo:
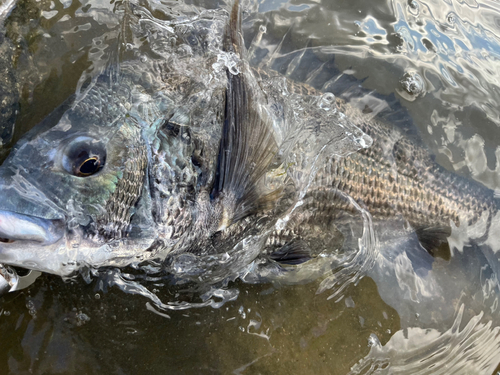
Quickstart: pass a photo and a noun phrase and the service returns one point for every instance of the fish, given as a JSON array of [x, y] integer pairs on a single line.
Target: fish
[[184, 154]]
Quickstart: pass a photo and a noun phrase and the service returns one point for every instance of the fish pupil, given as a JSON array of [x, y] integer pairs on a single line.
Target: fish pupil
[[83, 157], [89, 167]]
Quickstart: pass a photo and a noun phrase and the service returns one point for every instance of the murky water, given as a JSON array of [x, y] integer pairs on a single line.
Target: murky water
[[431, 67]]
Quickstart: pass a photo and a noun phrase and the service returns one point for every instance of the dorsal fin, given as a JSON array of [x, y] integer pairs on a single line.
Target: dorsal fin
[[234, 40], [248, 145]]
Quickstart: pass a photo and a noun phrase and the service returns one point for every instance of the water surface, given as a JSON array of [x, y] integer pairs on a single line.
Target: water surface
[[429, 67]]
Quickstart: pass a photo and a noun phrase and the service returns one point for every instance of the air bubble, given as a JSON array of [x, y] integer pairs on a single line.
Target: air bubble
[[256, 41], [413, 7], [373, 340], [413, 86], [30, 305], [327, 101], [241, 311], [81, 319]]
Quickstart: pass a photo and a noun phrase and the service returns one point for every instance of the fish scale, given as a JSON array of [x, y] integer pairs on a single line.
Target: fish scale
[[203, 157], [395, 176], [114, 222]]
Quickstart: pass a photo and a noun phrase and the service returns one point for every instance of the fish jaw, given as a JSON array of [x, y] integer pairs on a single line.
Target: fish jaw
[[30, 255], [34, 243], [48, 246], [32, 229], [30, 248]]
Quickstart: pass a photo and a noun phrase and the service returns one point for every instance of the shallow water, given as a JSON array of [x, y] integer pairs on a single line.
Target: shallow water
[[428, 66]]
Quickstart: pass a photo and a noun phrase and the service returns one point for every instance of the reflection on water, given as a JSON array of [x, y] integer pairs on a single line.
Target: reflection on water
[[383, 304]]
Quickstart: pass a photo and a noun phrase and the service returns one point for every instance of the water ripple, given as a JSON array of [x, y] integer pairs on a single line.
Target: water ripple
[[470, 350]]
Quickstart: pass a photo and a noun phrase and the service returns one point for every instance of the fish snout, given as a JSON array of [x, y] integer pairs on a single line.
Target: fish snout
[[18, 227]]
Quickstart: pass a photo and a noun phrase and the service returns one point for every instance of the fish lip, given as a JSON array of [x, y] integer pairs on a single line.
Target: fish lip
[[16, 227], [33, 256]]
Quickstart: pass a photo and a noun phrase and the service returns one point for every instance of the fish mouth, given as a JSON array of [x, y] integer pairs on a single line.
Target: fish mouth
[[47, 245], [16, 227]]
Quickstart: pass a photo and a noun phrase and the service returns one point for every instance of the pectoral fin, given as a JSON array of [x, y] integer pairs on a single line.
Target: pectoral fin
[[294, 253]]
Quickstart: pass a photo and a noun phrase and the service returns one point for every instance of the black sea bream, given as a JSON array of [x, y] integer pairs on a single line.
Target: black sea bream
[[186, 151]]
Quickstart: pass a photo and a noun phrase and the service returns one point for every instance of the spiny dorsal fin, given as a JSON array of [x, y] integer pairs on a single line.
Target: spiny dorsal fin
[[234, 39], [248, 145]]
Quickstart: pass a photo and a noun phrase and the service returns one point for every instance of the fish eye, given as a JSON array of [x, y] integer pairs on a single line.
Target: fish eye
[[88, 167], [84, 157]]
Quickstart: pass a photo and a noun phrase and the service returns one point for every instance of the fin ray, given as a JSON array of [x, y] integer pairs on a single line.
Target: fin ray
[[434, 240], [293, 253], [248, 145]]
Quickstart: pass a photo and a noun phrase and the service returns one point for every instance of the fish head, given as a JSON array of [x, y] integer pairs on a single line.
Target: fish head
[[69, 188], [125, 171], [100, 179]]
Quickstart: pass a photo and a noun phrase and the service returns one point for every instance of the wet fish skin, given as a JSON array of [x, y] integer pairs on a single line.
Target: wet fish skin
[[9, 90], [134, 167], [182, 152], [395, 177]]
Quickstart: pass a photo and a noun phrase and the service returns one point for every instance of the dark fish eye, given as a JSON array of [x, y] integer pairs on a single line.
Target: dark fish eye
[[84, 157], [89, 167]]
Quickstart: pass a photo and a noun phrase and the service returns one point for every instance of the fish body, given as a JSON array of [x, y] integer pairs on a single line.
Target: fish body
[[397, 176], [185, 153]]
